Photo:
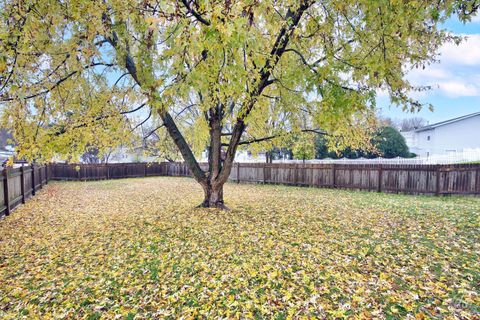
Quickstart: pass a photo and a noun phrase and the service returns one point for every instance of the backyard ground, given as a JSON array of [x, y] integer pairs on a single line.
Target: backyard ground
[[136, 249]]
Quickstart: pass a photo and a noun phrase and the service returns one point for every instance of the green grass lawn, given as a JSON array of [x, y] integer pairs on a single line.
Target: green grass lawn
[[136, 249]]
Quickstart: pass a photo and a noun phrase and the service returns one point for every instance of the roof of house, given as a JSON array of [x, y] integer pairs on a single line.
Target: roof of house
[[439, 124]]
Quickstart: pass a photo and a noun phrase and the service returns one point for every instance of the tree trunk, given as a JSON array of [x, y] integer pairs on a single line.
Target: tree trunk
[[213, 196], [213, 184], [219, 168]]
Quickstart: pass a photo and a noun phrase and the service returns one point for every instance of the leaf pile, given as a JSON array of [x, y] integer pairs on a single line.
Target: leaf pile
[[136, 249]]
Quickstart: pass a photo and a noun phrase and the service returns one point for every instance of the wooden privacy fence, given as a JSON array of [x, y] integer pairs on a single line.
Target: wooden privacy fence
[[414, 179], [19, 184], [60, 171]]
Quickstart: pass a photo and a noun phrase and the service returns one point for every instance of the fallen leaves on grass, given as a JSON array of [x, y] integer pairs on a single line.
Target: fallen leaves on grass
[[135, 249]]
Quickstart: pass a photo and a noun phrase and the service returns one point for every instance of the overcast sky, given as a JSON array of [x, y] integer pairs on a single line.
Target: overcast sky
[[456, 79]]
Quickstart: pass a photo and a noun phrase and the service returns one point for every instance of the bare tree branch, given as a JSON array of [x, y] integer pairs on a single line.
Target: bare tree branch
[[247, 142], [145, 120], [153, 131], [197, 15], [60, 81]]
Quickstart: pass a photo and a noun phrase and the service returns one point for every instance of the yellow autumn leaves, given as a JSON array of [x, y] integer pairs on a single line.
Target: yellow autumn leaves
[[133, 249]]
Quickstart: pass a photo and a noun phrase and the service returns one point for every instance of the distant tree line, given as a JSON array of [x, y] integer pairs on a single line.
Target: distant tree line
[[404, 125], [386, 142]]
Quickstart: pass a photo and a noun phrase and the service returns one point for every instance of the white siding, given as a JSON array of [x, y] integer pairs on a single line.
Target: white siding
[[449, 138]]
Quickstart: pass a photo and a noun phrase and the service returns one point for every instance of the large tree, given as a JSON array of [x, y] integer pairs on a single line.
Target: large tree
[[389, 143], [211, 73], [413, 123], [385, 142]]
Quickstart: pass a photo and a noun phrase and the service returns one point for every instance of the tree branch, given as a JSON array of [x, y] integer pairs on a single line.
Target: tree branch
[[167, 119], [82, 125], [59, 82], [120, 78], [153, 131], [141, 123], [197, 15], [247, 142], [134, 110], [283, 38]]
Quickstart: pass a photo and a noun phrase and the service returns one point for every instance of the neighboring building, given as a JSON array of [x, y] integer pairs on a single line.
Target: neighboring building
[[240, 156], [6, 150], [5, 155], [448, 137], [123, 155]]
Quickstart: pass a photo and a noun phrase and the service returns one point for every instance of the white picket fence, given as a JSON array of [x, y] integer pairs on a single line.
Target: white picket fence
[[466, 156]]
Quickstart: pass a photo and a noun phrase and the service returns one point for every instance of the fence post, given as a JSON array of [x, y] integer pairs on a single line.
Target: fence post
[[264, 173], [5, 191], [22, 182], [295, 174], [41, 178], [46, 174], [334, 176], [238, 172], [437, 183], [33, 180], [380, 171], [477, 181]]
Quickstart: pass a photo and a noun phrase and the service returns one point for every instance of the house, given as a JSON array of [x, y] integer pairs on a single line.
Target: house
[[5, 155], [126, 155], [450, 137], [240, 156]]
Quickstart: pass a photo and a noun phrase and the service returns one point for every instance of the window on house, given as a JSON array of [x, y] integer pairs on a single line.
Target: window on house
[[428, 138]]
